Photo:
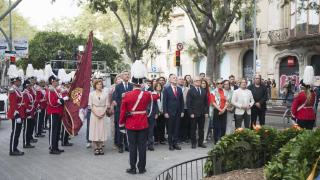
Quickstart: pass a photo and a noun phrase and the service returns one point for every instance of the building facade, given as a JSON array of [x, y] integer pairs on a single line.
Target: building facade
[[288, 40]]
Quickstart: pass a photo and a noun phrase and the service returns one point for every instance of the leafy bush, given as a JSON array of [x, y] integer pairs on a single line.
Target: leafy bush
[[247, 148], [296, 158], [235, 151]]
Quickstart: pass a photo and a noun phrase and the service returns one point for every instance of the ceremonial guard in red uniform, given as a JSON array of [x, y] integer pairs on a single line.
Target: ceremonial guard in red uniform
[[16, 112], [30, 112], [30, 75], [303, 105], [41, 105], [134, 118], [64, 90], [55, 104]]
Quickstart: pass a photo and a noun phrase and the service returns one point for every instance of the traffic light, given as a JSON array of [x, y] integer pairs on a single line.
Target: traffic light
[[177, 63]]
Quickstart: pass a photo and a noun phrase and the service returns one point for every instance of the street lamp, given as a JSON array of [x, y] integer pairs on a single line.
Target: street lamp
[[254, 36]]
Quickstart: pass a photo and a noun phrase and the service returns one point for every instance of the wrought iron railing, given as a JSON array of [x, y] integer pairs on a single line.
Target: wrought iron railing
[[195, 169], [192, 169], [71, 65], [238, 36]]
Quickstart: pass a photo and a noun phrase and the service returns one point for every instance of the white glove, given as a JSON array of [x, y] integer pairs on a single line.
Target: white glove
[[60, 101], [123, 131], [15, 113], [39, 110], [65, 98], [19, 120], [28, 110]]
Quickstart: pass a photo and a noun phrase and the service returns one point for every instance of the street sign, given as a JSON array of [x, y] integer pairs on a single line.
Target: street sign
[[179, 46], [21, 46], [154, 69]]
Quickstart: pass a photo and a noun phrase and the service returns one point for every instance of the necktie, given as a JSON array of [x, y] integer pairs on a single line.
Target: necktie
[[199, 90], [175, 91], [125, 87]]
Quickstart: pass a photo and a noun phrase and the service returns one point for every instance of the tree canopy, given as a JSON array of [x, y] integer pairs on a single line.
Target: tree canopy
[[212, 20], [20, 25], [45, 45], [139, 20]]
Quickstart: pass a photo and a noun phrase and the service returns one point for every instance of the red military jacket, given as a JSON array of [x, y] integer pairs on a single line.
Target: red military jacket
[[135, 121], [302, 111], [41, 98], [33, 92], [16, 103], [53, 105], [29, 103]]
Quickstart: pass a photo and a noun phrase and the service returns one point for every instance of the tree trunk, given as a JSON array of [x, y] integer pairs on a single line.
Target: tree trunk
[[212, 62]]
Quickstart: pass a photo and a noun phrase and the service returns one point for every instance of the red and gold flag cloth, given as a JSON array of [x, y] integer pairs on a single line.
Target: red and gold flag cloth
[[79, 91]]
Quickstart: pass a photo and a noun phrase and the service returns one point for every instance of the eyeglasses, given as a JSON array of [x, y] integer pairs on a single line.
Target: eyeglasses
[[219, 83]]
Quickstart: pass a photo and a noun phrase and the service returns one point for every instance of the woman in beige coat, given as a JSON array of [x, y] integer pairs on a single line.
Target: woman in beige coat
[[98, 102]]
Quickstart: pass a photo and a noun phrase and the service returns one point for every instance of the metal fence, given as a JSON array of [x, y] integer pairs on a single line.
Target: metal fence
[[195, 169]]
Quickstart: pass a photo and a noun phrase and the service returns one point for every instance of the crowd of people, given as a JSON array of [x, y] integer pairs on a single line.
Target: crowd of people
[[148, 112]]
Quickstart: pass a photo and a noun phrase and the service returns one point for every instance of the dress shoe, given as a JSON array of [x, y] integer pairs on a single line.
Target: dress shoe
[[131, 171], [151, 148], [61, 150], [67, 144], [16, 153], [126, 149], [43, 132], [28, 146], [34, 140], [120, 150], [171, 148], [142, 171], [202, 145], [193, 146], [162, 142], [39, 135], [177, 147], [55, 152]]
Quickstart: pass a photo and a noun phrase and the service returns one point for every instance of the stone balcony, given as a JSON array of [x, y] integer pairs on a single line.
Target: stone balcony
[[301, 35]]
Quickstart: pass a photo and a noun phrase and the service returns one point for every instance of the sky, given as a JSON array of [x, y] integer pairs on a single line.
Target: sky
[[41, 12]]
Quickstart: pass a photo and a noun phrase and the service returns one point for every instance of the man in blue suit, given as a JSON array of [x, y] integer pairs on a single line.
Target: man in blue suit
[[117, 95], [173, 109]]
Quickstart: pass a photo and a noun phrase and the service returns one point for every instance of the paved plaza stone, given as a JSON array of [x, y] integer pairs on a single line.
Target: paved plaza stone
[[79, 163]]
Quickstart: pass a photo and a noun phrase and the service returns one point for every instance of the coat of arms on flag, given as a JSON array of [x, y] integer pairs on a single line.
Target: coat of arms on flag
[[76, 95]]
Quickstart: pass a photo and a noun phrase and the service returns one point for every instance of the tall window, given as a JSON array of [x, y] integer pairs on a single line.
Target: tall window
[[313, 17], [180, 34], [303, 21]]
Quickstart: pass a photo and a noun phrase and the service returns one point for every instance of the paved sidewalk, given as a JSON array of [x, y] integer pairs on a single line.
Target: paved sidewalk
[[79, 163]]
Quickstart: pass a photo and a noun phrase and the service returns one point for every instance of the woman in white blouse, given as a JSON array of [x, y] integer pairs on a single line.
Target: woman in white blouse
[[243, 100]]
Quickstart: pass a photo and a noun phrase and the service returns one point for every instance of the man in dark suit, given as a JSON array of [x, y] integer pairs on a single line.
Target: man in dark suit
[[233, 85], [197, 103], [118, 93], [173, 110]]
